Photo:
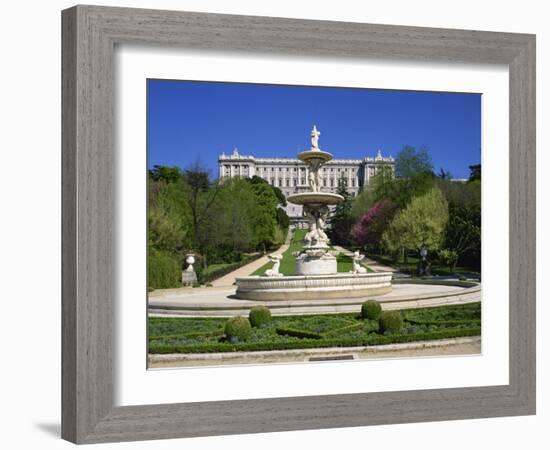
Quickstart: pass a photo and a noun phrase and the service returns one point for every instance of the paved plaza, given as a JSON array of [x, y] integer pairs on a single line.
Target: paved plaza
[[220, 301]]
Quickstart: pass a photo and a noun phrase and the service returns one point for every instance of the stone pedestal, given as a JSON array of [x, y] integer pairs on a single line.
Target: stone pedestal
[[188, 278], [314, 265]]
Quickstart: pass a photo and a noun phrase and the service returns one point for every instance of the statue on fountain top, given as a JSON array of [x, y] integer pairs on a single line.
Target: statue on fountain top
[[315, 138]]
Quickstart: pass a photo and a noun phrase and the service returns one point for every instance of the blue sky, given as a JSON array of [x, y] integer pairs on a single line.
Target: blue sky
[[189, 121]]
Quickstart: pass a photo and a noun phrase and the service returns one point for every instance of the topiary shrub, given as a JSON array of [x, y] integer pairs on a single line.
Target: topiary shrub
[[259, 316], [390, 321], [371, 309], [237, 329]]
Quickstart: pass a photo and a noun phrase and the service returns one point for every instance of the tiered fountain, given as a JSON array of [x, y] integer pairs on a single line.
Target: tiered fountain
[[317, 275]]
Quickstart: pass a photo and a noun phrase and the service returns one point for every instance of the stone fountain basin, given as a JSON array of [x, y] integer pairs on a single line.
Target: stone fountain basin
[[319, 155], [306, 287], [312, 198]]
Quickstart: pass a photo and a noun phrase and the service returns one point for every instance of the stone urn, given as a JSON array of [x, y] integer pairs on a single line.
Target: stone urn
[[190, 260], [188, 276]]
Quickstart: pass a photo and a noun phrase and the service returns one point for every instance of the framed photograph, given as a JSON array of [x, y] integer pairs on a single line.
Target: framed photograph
[[278, 224]]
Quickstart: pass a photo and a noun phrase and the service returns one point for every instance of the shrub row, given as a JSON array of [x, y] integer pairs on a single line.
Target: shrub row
[[345, 329], [294, 332], [209, 276], [372, 339], [189, 335], [444, 322]]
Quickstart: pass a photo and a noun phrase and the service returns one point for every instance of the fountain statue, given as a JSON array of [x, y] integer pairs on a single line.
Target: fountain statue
[[274, 271], [316, 275], [357, 267], [315, 258]]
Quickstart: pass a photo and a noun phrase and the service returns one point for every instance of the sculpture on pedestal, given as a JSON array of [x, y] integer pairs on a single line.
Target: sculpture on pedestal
[[274, 271], [188, 276], [357, 267]]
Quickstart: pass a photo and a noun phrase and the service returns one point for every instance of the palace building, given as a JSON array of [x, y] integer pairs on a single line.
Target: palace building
[[291, 175]]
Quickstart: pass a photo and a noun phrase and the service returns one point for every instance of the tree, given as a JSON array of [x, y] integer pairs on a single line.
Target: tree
[[368, 230], [413, 177], [341, 220], [463, 231], [265, 220], [167, 174], [201, 198], [475, 172], [362, 203], [444, 174], [421, 224], [411, 162], [235, 211]]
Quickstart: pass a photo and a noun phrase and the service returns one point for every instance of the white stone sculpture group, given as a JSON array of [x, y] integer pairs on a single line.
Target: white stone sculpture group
[[357, 267], [274, 271]]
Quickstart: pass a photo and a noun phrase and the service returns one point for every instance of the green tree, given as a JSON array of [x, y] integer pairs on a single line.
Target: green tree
[[463, 231], [362, 203], [411, 162], [421, 224], [167, 174], [201, 198], [475, 172], [341, 221], [235, 211], [265, 220], [413, 177]]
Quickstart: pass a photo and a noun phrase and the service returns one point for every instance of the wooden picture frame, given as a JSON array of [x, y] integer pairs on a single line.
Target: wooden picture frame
[[90, 34]]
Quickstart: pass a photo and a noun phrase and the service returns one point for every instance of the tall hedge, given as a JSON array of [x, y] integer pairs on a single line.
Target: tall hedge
[[163, 270]]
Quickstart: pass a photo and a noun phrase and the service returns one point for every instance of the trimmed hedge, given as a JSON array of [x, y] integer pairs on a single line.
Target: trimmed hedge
[[345, 329], [286, 331], [371, 309], [373, 339], [237, 328], [390, 321], [209, 276], [444, 322], [190, 335], [163, 270], [259, 315]]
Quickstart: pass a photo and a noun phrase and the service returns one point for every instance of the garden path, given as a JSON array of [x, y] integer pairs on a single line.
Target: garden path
[[244, 271], [371, 263]]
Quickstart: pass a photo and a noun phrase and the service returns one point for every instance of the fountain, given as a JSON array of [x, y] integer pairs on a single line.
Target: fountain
[[317, 275]]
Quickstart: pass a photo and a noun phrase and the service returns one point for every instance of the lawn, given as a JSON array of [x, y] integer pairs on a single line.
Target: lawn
[[412, 263], [204, 335], [288, 263]]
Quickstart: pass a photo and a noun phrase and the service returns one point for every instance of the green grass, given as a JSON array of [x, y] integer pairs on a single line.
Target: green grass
[[203, 335], [412, 263], [288, 263]]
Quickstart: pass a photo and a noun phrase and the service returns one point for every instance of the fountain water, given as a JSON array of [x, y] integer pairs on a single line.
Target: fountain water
[[317, 275]]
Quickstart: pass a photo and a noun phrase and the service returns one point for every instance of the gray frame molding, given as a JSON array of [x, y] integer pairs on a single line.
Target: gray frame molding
[[89, 36]]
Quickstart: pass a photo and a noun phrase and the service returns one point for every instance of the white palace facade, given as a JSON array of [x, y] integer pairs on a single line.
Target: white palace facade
[[291, 175]]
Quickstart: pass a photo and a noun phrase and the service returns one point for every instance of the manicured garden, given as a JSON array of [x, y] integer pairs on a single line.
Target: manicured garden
[[411, 266], [261, 331]]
